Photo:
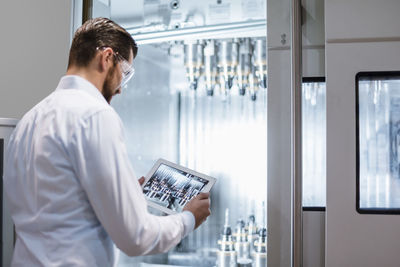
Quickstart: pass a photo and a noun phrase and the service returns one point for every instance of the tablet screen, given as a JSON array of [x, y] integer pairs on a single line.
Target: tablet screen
[[172, 188]]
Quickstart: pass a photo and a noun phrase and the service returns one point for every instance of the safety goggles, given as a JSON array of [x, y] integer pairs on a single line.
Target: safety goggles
[[127, 70]]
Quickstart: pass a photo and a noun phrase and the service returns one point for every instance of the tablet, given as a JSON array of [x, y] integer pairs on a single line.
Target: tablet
[[169, 187]]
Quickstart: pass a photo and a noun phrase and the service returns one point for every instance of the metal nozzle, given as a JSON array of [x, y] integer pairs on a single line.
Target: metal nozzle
[[193, 51], [210, 66], [240, 231], [227, 229], [260, 61], [251, 225], [252, 219], [226, 243], [261, 243], [227, 60], [245, 65], [253, 86]]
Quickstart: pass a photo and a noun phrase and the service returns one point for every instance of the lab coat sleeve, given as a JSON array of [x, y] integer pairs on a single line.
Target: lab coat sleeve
[[103, 168]]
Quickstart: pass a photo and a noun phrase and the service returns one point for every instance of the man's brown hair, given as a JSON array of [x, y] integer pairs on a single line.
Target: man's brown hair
[[98, 33]]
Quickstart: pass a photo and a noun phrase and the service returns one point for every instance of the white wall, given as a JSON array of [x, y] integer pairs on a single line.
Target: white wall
[[355, 19], [35, 39]]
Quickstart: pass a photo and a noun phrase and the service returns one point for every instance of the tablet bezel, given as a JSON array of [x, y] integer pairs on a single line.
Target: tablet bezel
[[207, 188]]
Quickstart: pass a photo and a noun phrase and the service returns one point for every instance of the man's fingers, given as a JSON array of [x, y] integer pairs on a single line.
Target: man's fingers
[[205, 200], [203, 195], [141, 180]]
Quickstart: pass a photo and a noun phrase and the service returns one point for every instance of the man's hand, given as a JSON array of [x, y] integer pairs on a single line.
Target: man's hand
[[199, 207], [141, 180]]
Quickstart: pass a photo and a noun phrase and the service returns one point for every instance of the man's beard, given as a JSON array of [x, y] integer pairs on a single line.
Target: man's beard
[[108, 91]]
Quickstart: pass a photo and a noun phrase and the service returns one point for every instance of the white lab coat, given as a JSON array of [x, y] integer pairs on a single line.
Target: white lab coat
[[71, 187]]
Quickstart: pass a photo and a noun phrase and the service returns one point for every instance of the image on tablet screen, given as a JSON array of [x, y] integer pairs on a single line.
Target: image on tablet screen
[[172, 188]]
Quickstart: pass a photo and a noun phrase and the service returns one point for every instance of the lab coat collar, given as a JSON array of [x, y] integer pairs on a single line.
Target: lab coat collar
[[79, 83]]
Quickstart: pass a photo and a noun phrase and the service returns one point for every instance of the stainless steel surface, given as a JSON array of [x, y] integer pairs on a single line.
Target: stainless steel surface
[[252, 239], [172, 14], [209, 128], [226, 259], [296, 145], [193, 258], [242, 249], [244, 262], [260, 260]]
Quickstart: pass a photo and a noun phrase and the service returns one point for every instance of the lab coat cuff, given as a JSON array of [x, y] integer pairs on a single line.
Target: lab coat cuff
[[188, 222]]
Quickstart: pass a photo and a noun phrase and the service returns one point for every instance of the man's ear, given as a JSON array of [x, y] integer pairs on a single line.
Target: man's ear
[[106, 59]]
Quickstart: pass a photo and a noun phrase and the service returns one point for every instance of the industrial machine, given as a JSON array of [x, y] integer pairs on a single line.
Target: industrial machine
[[226, 65], [200, 90], [199, 98]]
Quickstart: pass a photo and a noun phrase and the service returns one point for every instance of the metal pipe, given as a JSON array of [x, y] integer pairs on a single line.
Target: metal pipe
[[296, 156], [250, 28]]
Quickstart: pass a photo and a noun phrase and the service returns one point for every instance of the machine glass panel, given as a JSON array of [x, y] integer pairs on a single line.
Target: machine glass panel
[[378, 142], [314, 142]]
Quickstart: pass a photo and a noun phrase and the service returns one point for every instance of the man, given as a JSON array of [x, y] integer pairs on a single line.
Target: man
[[68, 179]]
